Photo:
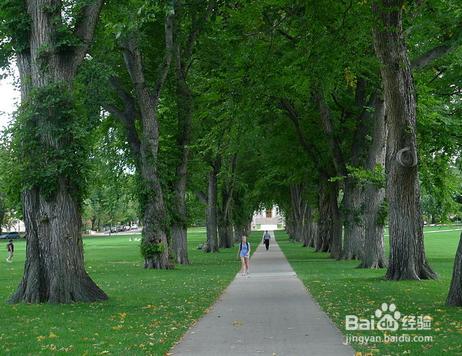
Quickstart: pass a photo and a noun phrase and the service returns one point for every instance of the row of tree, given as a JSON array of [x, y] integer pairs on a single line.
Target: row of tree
[[174, 109]]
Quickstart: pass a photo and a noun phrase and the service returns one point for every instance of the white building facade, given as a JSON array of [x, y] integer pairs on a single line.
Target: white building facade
[[268, 219]]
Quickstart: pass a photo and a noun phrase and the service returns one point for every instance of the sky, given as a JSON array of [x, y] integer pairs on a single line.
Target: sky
[[9, 98]]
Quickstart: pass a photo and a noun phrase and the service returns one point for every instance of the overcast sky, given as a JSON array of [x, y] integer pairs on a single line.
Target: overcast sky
[[9, 97]]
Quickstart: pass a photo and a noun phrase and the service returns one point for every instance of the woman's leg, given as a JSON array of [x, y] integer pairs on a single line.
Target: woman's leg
[[247, 264], [243, 268]]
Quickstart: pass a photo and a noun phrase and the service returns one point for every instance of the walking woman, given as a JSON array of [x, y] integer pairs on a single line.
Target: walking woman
[[244, 254]]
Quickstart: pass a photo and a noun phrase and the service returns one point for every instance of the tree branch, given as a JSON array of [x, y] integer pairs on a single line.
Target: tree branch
[[202, 197], [294, 116], [127, 117], [326, 120], [165, 65], [85, 28], [184, 57], [428, 57]]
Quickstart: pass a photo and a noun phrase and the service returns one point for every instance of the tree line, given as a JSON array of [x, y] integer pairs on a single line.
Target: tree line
[[344, 114]]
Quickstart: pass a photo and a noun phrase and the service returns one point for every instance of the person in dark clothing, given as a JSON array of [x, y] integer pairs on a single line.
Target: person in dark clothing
[[10, 249], [266, 239]]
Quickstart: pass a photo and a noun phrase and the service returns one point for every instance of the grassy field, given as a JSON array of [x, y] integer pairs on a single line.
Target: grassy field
[[341, 290], [148, 311]]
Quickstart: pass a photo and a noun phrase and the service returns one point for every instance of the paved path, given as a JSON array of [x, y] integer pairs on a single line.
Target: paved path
[[268, 313]]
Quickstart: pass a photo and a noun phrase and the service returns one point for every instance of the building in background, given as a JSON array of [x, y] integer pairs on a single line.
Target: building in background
[[268, 219], [14, 225]]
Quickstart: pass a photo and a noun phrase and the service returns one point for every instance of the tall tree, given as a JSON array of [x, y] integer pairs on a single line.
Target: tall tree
[[407, 254], [137, 108], [50, 43], [185, 38]]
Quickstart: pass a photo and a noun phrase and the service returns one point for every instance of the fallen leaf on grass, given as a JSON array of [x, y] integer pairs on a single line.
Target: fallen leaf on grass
[[149, 306]]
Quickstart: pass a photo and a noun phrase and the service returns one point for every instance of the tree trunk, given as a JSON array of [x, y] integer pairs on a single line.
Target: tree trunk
[[307, 225], [226, 235], [184, 103], [300, 211], [407, 254], [180, 243], [54, 270], [290, 225], [374, 256], [330, 226], [455, 291], [353, 220], [212, 237], [375, 214], [93, 224], [238, 232], [314, 234], [154, 242], [179, 227], [225, 227]]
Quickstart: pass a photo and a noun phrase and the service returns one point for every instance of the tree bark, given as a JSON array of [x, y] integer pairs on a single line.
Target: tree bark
[[290, 224], [212, 237], [352, 189], [307, 226], [225, 232], [238, 232], [314, 233], [54, 270], [353, 220], [330, 226], [301, 213], [407, 254], [225, 227], [374, 216], [455, 290]]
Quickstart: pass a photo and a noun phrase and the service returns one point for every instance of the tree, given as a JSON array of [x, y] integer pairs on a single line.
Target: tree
[[185, 42], [407, 254], [139, 115], [50, 43], [455, 290]]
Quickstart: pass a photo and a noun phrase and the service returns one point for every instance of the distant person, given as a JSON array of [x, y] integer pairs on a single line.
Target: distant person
[[10, 249], [244, 254], [266, 239]]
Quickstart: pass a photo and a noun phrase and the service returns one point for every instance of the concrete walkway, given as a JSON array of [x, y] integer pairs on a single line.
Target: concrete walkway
[[268, 313]]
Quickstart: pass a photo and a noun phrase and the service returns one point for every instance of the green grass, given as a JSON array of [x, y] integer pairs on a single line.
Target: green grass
[[341, 290], [148, 310]]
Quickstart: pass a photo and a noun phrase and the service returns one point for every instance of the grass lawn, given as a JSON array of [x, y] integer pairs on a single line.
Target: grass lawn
[[341, 290], [148, 310]]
